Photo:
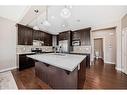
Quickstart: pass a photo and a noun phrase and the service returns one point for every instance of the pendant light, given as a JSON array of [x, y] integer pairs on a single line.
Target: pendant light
[[65, 13], [46, 23], [36, 26]]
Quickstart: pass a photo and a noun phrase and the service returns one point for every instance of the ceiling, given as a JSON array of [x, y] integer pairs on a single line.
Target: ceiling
[[81, 16], [12, 12]]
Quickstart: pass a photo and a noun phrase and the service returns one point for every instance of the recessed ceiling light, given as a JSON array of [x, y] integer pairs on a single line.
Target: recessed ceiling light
[[36, 10], [63, 25]]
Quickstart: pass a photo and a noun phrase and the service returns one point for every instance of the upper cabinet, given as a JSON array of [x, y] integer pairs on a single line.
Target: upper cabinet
[[47, 39], [38, 35], [64, 35], [25, 35], [82, 35]]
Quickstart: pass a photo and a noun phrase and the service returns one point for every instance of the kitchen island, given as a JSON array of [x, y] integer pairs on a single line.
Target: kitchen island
[[60, 71]]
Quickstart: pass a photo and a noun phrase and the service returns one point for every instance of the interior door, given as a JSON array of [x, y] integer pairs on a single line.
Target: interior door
[[98, 47]]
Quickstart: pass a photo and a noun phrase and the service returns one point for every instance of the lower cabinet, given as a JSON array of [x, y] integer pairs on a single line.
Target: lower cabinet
[[25, 62]]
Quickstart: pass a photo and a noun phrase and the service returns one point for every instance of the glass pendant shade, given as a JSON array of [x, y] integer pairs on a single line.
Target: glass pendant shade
[[65, 13]]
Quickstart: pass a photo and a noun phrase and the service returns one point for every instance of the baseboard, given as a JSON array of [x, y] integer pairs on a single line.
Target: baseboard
[[109, 62], [119, 69], [8, 69]]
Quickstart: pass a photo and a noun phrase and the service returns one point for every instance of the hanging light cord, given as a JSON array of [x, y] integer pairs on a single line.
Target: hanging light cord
[[47, 13]]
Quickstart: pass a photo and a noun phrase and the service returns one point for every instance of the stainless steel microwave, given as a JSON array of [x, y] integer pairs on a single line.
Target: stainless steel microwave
[[76, 43]]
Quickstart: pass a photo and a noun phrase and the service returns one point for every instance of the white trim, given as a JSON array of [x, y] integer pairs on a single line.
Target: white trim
[[8, 69], [119, 69], [109, 62]]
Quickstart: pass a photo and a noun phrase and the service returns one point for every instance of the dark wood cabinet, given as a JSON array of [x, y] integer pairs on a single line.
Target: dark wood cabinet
[[35, 35], [58, 78], [75, 35], [38, 35], [64, 35], [25, 62], [25, 35], [47, 39], [87, 58], [82, 35]]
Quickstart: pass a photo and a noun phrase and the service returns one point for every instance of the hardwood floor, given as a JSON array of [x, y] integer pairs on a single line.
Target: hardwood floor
[[98, 76], [26, 79], [104, 76]]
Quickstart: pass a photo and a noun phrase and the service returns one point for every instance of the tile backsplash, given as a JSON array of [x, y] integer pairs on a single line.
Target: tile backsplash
[[27, 48], [82, 49]]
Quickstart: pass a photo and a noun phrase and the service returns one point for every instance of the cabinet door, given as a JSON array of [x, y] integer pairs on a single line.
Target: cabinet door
[[21, 35], [76, 35], [29, 36], [64, 35], [25, 62], [25, 35], [47, 39], [22, 62], [82, 38], [42, 36], [35, 35], [87, 37]]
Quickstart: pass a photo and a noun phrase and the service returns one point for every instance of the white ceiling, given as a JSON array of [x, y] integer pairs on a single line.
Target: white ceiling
[[89, 16], [12, 12]]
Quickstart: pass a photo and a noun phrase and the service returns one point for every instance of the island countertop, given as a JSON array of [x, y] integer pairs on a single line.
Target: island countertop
[[64, 61]]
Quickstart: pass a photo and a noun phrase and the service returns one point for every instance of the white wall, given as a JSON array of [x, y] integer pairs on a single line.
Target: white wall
[[124, 29], [109, 44], [7, 44], [116, 24]]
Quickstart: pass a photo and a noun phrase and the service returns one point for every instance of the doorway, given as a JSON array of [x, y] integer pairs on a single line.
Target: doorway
[[98, 48]]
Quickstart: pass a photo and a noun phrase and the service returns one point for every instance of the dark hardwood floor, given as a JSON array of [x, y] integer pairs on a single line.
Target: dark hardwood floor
[[26, 79], [98, 76], [104, 76]]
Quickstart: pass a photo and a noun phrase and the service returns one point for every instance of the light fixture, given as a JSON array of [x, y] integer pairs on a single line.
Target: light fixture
[[46, 23], [36, 27], [65, 13]]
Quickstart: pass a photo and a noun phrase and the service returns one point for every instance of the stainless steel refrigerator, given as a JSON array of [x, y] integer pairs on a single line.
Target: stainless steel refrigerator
[[64, 46]]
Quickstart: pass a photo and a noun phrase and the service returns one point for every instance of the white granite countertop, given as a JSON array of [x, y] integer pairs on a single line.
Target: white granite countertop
[[65, 61], [25, 53]]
